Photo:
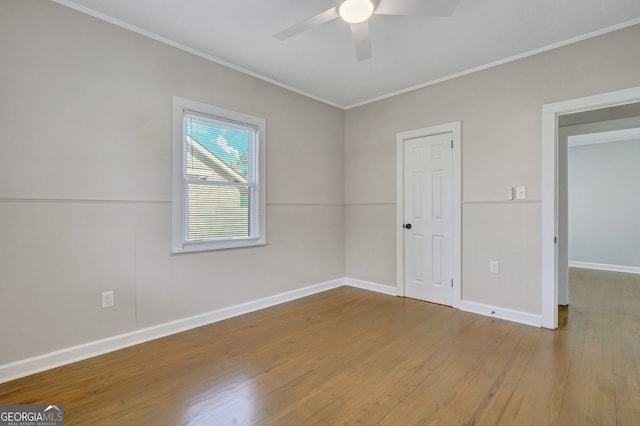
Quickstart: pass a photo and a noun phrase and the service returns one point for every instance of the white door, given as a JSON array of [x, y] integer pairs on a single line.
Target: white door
[[428, 218]]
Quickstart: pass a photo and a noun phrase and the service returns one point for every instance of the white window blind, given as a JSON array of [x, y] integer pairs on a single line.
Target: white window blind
[[222, 201]]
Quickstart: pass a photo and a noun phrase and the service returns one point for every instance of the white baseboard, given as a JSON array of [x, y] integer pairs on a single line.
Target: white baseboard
[[502, 313], [605, 267], [366, 285], [65, 356], [464, 305]]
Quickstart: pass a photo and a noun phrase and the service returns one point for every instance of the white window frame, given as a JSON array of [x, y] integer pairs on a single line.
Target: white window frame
[[179, 243]]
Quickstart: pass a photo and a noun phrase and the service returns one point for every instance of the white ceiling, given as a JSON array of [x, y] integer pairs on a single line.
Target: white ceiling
[[407, 51]]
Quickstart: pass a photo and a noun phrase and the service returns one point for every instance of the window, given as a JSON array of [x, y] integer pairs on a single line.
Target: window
[[218, 191]]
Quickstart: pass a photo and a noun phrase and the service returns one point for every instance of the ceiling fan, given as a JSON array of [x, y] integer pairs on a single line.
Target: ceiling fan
[[357, 13]]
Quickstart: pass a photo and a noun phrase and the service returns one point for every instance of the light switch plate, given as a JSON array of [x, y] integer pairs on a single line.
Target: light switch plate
[[494, 267], [521, 193], [509, 193]]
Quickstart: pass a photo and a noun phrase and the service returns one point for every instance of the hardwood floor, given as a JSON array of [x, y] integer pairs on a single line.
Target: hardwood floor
[[351, 356]]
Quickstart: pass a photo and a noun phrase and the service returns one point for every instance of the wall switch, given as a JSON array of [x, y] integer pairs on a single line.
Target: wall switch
[[509, 192], [494, 267], [107, 299], [521, 193]]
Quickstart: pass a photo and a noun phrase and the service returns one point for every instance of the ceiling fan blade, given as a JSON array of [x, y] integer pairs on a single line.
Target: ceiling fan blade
[[307, 24], [361, 40], [416, 7]]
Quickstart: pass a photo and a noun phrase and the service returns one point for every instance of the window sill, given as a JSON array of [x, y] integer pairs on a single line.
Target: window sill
[[219, 245]]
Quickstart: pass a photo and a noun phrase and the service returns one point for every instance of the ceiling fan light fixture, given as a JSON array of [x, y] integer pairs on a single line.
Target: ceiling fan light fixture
[[355, 11]]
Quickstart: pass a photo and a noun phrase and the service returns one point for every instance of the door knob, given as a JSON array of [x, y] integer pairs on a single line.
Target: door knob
[[408, 226]]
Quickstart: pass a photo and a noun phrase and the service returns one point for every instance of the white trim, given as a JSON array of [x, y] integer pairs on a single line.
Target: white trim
[[455, 128], [605, 267], [366, 285], [84, 351], [400, 214], [180, 46], [500, 62], [457, 212], [501, 313], [550, 113], [36, 364], [156, 37], [181, 106]]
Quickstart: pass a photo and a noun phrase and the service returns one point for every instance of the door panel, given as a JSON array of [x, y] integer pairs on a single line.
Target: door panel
[[428, 188]]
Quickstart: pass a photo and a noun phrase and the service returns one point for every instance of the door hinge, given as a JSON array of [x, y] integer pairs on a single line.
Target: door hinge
[[451, 143], [555, 240], [451, 282]]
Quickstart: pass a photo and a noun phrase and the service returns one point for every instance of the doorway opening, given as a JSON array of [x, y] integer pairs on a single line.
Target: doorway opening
[[554, 274], [598, 222]]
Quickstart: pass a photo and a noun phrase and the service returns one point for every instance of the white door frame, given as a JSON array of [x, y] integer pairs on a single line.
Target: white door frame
[[550, 189], [455, 128]]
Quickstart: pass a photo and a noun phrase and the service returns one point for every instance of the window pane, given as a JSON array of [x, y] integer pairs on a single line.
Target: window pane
[[216, 150], [217, 198], [217, 212]]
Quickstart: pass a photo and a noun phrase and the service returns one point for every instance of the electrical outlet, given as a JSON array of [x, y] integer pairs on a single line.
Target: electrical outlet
[[494, 267], [521, 193], [107, 299]]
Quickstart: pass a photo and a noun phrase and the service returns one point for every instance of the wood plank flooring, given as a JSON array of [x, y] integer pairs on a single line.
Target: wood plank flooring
[[349, 356]]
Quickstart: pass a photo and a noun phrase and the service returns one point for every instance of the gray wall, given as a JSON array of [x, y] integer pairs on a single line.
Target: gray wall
[[85, 145], [85, 177], [500, 110], [604, 203]]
